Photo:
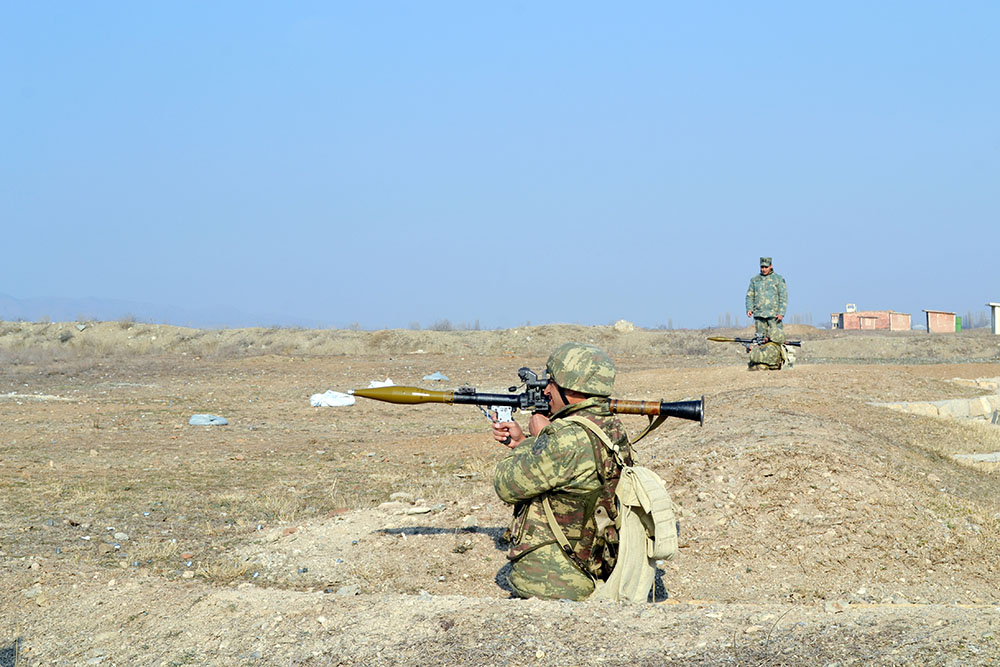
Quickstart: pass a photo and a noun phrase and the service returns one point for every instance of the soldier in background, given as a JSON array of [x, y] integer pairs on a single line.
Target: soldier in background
[[561, 474], [769, 356], [767, 300]]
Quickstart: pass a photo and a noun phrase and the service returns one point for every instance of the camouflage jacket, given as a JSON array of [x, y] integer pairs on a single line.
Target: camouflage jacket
[[767, 295], [771, 355], [561, 463]]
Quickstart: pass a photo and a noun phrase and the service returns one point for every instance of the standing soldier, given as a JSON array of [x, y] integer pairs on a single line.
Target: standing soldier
[[767, 299]]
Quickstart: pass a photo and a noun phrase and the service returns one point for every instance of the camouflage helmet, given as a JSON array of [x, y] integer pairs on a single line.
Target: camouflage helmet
[[583, 368]]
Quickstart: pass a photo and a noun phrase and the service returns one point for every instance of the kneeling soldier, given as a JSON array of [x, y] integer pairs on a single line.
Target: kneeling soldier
[[560, 477], [771, 355]]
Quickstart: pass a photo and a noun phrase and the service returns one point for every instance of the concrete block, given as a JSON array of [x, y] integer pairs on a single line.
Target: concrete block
[[924, 409], [979, 407], [957, 408], [993, 457]]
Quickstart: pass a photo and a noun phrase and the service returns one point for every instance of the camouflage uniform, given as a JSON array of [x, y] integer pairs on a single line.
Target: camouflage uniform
[[771, 355], [570, 467], [767, 298]]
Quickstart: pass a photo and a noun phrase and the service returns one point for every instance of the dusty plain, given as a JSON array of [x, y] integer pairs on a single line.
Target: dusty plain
[[818, 526]]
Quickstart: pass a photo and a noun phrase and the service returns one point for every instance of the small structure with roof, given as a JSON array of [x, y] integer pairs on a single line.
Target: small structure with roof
[[995, 319], [940, 321], [854, 319]]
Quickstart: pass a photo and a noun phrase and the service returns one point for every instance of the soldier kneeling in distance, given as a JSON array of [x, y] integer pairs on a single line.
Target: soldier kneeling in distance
[[770, 356]]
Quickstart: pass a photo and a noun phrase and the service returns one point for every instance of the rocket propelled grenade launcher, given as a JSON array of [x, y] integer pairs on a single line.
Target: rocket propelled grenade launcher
[[750, 342], [532, 400]]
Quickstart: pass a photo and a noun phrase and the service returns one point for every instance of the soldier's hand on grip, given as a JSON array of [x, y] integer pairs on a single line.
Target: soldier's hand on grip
[[508, 434]]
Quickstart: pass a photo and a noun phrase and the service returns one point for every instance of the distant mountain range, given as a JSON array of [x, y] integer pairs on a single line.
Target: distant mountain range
[[59, 309]]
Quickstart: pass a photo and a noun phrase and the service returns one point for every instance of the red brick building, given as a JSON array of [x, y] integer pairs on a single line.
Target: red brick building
[[940, 321], [870, 319]]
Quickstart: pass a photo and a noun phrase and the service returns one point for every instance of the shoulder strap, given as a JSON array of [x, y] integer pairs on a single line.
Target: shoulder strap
[[560, 536], [599, 432]]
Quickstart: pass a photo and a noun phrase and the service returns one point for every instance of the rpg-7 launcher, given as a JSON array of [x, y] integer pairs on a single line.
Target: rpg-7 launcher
[[532, 399], [750, 342]]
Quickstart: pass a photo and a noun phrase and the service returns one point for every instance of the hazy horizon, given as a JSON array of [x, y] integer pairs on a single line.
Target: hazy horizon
[[389, 165]]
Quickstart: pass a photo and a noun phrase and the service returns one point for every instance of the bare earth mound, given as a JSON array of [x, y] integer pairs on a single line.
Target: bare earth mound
[[818, 523]]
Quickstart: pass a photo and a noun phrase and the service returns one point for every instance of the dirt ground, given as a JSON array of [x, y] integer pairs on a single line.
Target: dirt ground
[[817, 525]]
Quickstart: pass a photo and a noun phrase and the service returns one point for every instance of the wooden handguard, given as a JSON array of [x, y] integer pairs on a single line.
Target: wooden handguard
[[624, 406]]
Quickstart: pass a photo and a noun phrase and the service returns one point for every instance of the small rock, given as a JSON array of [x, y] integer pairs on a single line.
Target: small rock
[[419, 509], [188, 574], [345, 591], [933, 479], [393, 505], [401, 496], [749, 630], [121, 537], [469, 522], [836, 606]]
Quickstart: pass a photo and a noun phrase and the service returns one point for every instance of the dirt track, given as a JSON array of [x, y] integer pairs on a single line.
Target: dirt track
[[817, 525]]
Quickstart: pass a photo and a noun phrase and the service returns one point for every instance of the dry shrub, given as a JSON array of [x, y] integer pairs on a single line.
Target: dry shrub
[[154, 551], [224, 570], [279, 507]]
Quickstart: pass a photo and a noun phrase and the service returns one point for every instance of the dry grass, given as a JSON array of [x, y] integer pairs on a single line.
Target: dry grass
[[225, 570], [811, 498]]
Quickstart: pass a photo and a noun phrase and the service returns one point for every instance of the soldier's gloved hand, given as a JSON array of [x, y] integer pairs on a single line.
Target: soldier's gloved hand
[[504, 430], [537, 423]]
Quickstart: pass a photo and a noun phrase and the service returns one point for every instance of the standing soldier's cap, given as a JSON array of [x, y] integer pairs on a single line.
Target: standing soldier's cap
[[765, 261]]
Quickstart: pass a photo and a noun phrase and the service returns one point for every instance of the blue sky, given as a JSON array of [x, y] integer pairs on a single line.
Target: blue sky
[[391, 163]]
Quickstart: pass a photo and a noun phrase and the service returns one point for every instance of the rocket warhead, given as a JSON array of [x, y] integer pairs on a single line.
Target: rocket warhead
[[405, 395]]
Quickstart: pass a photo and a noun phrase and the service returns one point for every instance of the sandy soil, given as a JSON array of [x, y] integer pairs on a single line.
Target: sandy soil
[[817, 524]]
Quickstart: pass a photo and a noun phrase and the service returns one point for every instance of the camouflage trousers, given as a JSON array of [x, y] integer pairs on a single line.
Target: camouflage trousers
[[765, 326], [547, 573]]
